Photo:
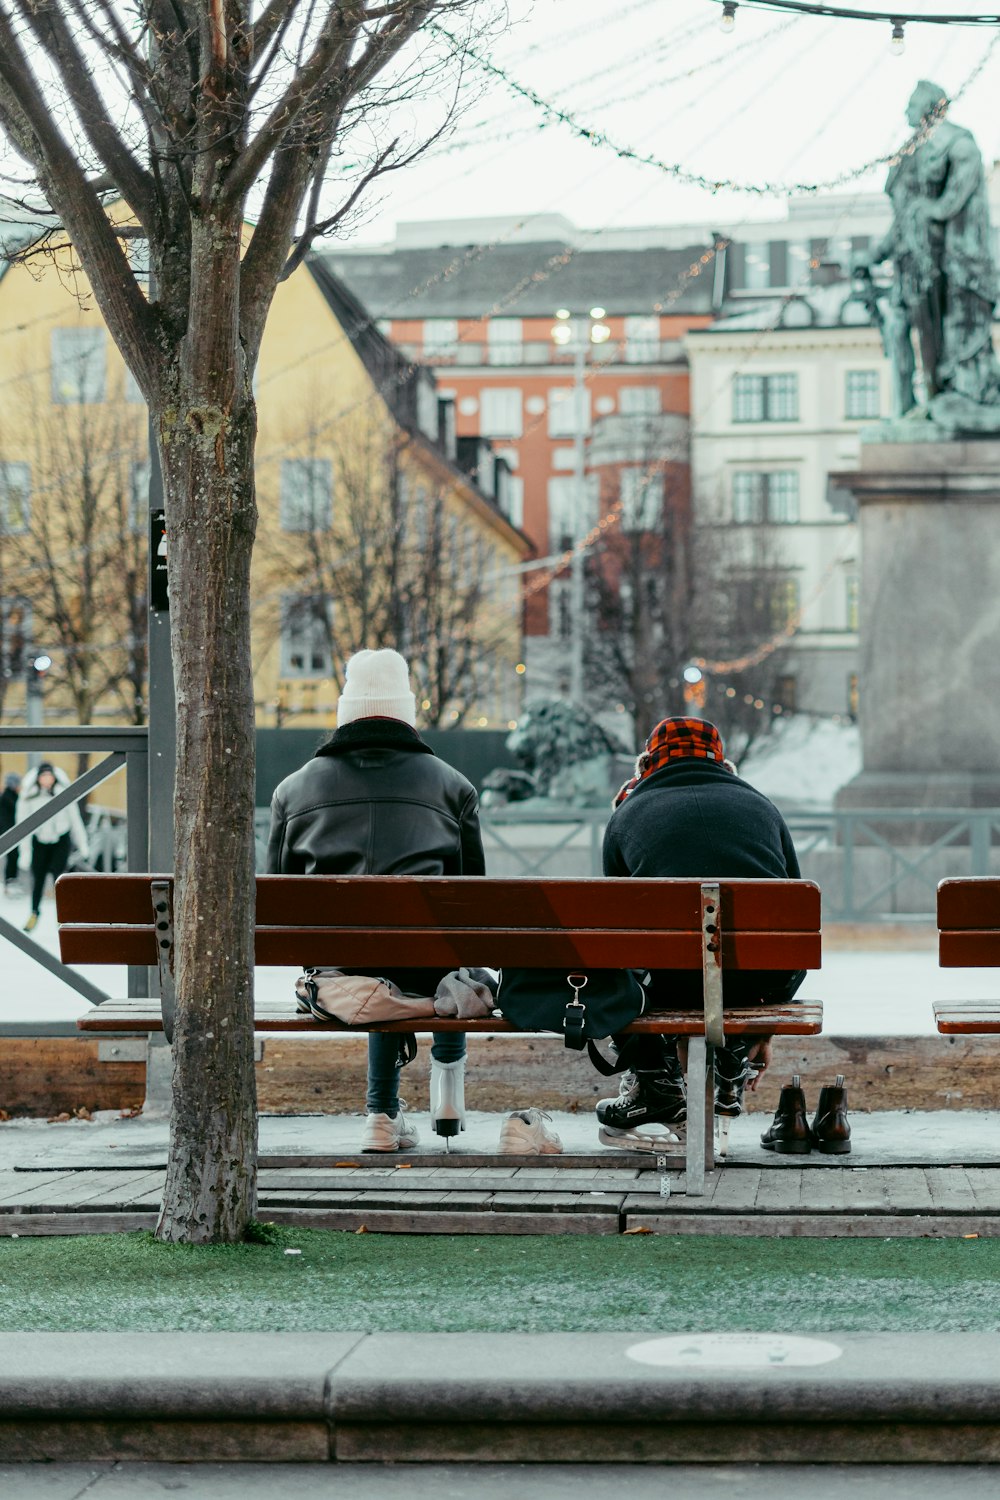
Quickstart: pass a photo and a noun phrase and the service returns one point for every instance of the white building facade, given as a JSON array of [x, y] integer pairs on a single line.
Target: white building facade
[[780, 394]]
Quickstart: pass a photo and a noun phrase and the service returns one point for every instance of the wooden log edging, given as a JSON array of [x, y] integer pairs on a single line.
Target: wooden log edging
[[45, 1076]]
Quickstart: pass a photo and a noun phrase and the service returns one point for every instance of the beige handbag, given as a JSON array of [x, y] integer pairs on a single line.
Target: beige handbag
[[357, 999]]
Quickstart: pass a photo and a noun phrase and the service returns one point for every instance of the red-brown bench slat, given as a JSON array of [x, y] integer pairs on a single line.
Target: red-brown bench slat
[[969, 950], [969, 902], [967, 1017], [493, 948], [431, 901], [805, 1019]]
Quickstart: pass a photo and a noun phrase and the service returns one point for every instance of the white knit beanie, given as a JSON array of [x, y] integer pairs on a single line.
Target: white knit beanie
[[377, 685]]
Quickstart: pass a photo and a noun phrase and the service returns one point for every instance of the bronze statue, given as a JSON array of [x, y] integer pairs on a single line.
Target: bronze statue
[[944, 287]]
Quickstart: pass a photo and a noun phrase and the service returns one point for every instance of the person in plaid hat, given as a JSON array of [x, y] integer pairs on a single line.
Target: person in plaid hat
[[686, 812]]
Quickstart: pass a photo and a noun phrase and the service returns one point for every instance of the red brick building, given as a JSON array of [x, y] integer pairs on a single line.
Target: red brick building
[[485, 316]]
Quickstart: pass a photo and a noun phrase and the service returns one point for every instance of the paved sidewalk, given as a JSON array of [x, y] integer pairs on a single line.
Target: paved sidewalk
[[136, 1481], [909, 1175], [883, 1139]]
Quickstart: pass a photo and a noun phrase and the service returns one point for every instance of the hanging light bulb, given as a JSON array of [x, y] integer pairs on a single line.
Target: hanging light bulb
[[897, 45], [728, 20]]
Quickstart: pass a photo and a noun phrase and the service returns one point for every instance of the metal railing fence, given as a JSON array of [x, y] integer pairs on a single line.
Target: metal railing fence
[[126, 750], [866, 873]]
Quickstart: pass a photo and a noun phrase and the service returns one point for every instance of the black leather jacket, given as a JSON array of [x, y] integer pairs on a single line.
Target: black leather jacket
[[375, 800]]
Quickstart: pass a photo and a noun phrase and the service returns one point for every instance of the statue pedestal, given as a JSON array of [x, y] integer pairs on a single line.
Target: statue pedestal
[[929, 517]]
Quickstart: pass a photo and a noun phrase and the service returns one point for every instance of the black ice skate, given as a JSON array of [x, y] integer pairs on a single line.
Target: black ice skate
[[733, 1071], [655, 1099]]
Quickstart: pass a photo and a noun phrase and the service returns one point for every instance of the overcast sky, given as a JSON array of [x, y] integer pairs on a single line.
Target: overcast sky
[[781, 99]]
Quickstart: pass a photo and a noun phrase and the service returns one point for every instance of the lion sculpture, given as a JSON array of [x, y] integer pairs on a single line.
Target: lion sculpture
[[566, 757]]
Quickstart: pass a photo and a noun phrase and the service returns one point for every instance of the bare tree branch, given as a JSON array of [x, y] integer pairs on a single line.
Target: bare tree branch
[[313, 232], [123, 50], [37, 138], [332, 46], [49, 27]]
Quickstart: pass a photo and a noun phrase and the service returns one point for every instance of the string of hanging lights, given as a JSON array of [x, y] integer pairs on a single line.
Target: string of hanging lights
[[896, 19]]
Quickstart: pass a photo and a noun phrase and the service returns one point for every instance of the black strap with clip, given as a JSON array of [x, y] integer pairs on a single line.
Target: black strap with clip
[[575, 1018]]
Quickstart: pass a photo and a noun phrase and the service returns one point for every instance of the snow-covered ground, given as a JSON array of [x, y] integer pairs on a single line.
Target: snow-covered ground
[[864, 992], [803, 762]]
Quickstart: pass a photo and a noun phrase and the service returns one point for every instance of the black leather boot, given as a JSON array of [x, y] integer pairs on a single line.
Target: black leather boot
[[788, 1133], [831, 1131]]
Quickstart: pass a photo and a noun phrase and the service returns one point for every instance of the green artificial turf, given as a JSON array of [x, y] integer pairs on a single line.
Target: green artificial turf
[[546, 1283]]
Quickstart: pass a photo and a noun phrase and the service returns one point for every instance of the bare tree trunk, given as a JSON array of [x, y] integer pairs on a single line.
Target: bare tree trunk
[[207, 456]]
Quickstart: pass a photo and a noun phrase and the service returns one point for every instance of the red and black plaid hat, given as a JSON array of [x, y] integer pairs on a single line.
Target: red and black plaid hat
[[679, 739]]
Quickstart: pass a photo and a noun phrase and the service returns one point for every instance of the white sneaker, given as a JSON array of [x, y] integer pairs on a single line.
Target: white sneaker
[[389, 1133], [525, 1133], [447, 1096]]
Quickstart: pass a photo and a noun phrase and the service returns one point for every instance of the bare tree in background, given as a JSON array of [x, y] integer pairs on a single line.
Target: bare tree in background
[[666, 593], [78, 554], [380, 556], [746, 611], [199, 116]]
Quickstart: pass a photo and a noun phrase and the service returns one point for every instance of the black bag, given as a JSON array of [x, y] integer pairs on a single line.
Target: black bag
[[579, 1006]]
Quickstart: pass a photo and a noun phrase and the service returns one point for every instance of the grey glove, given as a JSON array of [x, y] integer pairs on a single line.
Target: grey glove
[[465, 994]]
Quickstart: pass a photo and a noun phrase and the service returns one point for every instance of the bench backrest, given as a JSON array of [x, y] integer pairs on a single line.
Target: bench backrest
[[968, 918], [440, 921]]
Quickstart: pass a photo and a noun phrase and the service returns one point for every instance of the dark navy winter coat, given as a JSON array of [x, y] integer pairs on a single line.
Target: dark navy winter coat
[[695, 818]]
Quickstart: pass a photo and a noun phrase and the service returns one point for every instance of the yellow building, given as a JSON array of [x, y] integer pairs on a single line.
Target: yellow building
[[370, 533]]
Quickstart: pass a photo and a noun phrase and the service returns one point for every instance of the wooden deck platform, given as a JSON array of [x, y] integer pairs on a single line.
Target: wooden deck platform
[[812, 1196]]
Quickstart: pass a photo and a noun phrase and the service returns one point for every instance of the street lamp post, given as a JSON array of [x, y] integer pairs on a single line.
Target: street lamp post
[[579, 333], [34, 689]]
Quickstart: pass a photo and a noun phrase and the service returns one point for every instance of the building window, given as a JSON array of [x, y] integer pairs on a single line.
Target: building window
[[757, 266], [15, 498], [428, 418], [761, 495], [640, 401], [78, 366], [504, 338], [765, 398], [306, 494], [642, 340], [440, 338], [784, 602], [515, 500], [501, 409], [572, 509], [305, 636], [641, 495], [561, 614], [569, 411], [799, 259], [861, 394], [853, 584]]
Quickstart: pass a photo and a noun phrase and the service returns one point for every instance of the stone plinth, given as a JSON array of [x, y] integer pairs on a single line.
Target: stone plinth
[[929, 517]]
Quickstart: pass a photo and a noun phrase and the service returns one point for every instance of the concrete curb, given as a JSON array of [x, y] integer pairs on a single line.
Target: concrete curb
[[465, 1397]]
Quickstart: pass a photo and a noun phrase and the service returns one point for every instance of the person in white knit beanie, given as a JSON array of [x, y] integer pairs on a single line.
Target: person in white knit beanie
[[377, 686], [376, 800]]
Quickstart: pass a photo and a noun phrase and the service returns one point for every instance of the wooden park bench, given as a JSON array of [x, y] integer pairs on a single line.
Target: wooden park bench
[[377, 922], [968, 919]]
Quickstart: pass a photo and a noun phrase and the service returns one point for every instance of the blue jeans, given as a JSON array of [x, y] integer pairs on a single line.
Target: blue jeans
[[382, 1097]]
